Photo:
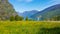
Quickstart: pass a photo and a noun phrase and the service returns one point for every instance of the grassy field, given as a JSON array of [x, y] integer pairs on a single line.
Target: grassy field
[[29, 27]]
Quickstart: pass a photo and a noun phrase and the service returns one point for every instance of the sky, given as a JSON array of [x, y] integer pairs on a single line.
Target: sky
[[28, 5]]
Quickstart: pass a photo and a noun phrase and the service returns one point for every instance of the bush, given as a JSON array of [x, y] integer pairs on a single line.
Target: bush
[[26, 18], [55, 30], [18, 18], [12, 18]]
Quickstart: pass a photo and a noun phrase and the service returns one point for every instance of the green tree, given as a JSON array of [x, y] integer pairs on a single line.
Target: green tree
[[56, 18], [12, 18], [21, 18], [26, 19], [18, 18], [30, 19]]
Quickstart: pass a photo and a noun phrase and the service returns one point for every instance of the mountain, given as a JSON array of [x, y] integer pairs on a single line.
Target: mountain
[[6, 10], [28, 13], [47, 13]]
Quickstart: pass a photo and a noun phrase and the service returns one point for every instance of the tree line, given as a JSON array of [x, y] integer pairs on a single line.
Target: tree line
[[19, 18]]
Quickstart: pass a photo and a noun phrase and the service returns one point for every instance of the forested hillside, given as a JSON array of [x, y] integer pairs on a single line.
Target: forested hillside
[[50, 13]]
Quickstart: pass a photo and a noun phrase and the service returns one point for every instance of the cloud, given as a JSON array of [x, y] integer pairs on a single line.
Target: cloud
[[25, 0], [56, 1]]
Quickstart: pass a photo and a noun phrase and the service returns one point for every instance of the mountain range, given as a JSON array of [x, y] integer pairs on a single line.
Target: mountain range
[[27, 13], [7, 10], [47, 13]]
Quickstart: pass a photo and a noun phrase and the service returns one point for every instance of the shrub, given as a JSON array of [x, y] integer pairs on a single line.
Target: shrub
[[18, 18], [55, 30], [12, 18]]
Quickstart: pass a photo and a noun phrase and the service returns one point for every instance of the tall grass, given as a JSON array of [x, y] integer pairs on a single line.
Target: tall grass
[[29, 27]]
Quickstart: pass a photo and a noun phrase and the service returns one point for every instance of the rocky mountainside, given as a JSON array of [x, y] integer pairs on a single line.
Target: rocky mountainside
[[6, 10]]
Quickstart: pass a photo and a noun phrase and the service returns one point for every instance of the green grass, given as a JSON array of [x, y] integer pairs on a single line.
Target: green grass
[[29, 27]]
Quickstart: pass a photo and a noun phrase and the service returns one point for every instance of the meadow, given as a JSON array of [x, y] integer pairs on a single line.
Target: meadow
[[29, 27]]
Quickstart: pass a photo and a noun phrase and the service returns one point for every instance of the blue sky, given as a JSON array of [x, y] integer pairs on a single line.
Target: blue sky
[[28, 5]]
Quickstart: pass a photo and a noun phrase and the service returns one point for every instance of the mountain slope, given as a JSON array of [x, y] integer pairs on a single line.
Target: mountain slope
[[28, 13], [47, 13], [6, 10]]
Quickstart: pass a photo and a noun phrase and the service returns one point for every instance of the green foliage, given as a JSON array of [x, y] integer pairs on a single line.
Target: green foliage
[[29, 27], [18, 18], [55, 30], [12, 18], [26, 19], [55, 18], [30, 20]]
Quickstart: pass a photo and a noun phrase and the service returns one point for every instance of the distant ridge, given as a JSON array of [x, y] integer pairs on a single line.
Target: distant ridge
[[47, 13], [27, 13]]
